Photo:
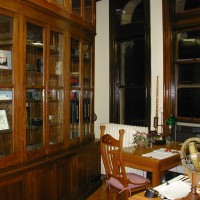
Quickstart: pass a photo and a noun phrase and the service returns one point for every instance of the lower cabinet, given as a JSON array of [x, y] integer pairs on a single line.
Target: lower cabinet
[[79, 175], [45, 183], [82, 178], [64, 174], [73, 176], [94, 166], [13, 189]]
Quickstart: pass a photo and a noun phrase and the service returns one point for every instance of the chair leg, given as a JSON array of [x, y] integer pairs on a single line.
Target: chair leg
[[110, 194], [127, 194]]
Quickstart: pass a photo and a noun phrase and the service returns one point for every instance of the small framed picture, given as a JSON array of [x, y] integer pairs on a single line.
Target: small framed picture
[[5, 59], [5, 95], [4, 124]]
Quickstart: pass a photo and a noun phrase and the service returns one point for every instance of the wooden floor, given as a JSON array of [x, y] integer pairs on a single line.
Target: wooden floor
[[100, 194]]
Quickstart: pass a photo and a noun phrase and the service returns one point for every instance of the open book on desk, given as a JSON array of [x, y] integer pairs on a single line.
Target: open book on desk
[[176, 188]]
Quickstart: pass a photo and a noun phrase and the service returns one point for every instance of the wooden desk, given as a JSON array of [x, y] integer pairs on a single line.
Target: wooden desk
[[140, 196], [133, 158]]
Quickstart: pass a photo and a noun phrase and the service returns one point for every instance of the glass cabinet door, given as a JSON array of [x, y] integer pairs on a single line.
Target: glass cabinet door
[[59, 2], [56, 88], [88, 10], [75, 89], [81, 93], [76, 6], [87, 103], [74, 114], [75, 63], [87, 87], [87, 65], [6, 86], [83, 9], [34, 86]]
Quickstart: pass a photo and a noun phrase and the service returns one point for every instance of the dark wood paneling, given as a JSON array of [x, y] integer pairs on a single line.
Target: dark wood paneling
[[13, 189], [64, 170], [45, 183]]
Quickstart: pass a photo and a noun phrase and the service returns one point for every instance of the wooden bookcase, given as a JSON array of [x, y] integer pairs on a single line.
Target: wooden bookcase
[[47, 99]]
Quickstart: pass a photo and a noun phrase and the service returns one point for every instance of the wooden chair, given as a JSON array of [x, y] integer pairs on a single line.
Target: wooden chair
[[118, 180]]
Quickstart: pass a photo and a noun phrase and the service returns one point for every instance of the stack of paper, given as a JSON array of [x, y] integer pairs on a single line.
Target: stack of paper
[[176, 188], [160, 154]]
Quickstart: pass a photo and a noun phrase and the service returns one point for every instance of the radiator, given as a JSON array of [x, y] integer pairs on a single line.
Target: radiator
[[113, 129]]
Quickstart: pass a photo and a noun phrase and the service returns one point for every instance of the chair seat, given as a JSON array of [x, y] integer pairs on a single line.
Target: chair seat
[[135, 178]]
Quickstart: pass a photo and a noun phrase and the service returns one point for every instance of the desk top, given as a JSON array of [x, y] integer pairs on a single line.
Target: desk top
[[139, 151], [135, 154]]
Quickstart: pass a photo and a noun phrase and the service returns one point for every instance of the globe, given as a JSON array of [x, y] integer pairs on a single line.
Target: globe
[[190, 158]]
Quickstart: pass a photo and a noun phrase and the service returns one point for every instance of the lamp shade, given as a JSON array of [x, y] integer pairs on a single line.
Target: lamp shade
[[170, 121]]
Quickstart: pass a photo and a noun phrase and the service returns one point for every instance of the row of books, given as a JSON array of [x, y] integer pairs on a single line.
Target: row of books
[[74, 111]]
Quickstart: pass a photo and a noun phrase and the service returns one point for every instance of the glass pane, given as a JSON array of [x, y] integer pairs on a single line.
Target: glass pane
[[87, 96], [188, 102], [56, 116], [88, 10], [131, 12], [34, 55], [132, 106], [74, 114], [76, 6], [87, 65], [35, 88], [6, 112], [189, 73], [56, 59], [60, 2], [75, 63], [182, 5], [56, 88], [6, 46], [132, 63], [189, 45], [34, 118], [6, 86]]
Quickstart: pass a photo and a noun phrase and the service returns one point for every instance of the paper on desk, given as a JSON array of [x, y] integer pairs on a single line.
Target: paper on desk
[[175, 190], [160, 154]]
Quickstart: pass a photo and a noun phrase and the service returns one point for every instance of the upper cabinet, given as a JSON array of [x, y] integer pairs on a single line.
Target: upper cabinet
[[84, 9], [46, 82], [79, 11]]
